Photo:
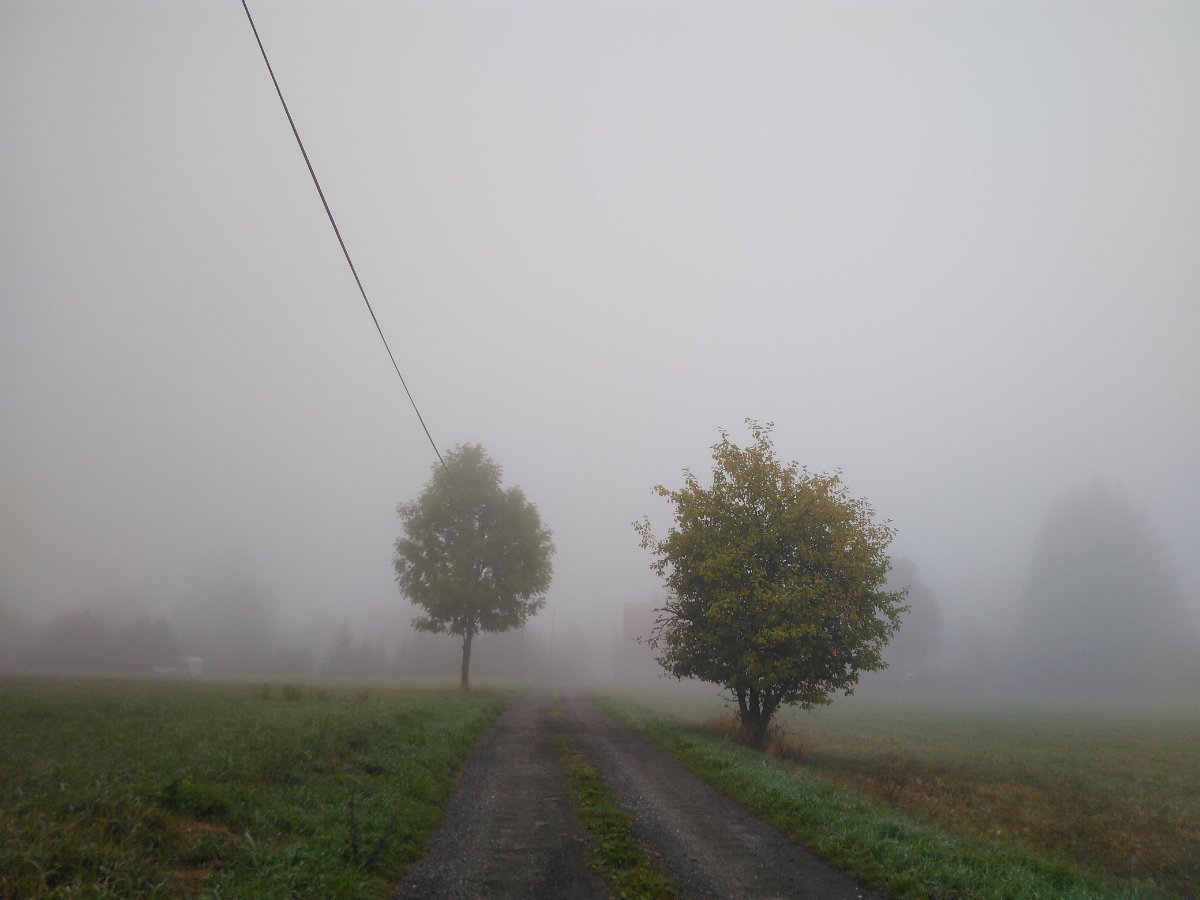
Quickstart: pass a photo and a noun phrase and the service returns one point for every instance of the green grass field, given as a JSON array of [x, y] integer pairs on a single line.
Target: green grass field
[[984, 794], [141, 788]]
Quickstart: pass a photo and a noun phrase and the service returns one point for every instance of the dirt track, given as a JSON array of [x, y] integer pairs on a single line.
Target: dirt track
[[509, 830]]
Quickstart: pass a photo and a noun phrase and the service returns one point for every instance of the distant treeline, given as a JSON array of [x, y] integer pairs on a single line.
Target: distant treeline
[[1100, 610], [1131, 655], [85, 640], [88, 641]]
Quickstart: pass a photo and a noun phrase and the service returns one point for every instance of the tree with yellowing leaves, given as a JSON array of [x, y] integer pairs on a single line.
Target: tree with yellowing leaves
[[777, 583]]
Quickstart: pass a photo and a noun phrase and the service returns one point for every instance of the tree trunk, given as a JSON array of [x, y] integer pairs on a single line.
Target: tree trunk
[[755, 710], [758, 734], [465, 684]]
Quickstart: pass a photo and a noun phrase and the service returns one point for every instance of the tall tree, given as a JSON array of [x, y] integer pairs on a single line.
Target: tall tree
[[475, 557], [1102, 606], [915, 643], [15, 630], [777, 583], [145, 644]]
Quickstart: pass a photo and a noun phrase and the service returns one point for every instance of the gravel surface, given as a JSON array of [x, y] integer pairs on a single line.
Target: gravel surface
[[509, 830]]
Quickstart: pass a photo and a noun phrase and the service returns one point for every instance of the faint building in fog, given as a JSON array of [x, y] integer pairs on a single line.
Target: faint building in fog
[[634, 658]]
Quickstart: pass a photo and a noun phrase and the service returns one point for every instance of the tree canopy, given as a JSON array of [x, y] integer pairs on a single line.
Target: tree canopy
[[475, 557], [777, 583]]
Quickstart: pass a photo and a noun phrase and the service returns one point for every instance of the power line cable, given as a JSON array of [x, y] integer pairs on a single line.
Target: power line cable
[[345, 252]]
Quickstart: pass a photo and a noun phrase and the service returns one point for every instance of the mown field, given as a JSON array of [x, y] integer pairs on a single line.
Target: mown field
[[938, 796], [143, 788]]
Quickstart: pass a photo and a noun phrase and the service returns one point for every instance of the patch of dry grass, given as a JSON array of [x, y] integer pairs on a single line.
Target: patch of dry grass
[[1117, 797], [786, 745]]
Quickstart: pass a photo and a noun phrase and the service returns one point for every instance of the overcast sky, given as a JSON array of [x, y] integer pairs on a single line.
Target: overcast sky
[[950, 248]]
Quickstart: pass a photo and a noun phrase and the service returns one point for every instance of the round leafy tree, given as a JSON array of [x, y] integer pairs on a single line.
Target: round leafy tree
[[777, 583], [475, 557]]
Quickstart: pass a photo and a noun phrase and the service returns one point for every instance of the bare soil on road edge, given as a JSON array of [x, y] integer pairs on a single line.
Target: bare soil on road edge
[[509, 831]]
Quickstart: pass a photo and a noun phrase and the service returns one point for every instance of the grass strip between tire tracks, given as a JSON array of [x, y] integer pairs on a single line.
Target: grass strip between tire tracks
[[613, 849], [897, 854]]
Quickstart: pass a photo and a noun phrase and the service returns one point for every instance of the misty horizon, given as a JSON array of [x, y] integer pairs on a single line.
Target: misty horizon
[[949, 251]]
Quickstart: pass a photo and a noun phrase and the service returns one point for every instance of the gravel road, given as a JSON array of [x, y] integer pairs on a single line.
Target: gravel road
[[509, 830]]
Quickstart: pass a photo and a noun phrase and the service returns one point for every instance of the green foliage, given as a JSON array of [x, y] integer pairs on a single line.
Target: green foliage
[[127, 788], [777, 580], [475, 557]]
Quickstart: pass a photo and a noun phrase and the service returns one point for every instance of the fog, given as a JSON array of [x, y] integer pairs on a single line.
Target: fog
[[950, 249]]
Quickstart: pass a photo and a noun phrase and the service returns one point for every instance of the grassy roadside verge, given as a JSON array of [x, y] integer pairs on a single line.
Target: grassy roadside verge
[[613, 849], [902, 855], [127, 788]]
